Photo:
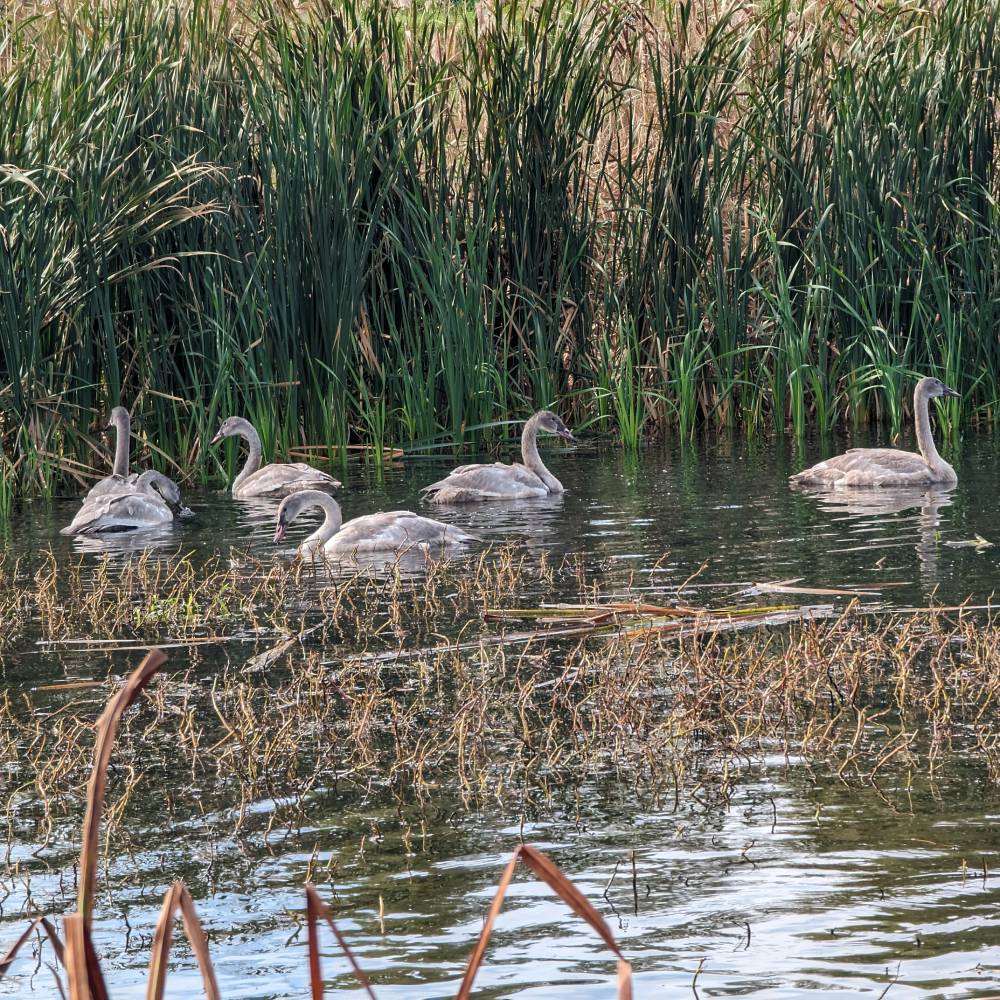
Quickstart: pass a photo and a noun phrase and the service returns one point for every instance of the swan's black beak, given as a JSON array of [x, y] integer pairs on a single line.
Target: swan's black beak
[[951, 392], [565, 433], [279, 532]]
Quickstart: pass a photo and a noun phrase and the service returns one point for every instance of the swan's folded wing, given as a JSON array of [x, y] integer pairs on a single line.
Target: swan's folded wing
[[112, 486], [282, 479], [869, 467], [393, 531], [118, 512], [93, 509], [487, 482]]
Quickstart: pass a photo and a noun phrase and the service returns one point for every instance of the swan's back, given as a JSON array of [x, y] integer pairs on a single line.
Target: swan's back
[[282, 479], [487, 482], [111, 485], [394, 531], [873, 467]]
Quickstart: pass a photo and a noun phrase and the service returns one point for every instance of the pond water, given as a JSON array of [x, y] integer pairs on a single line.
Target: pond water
[[798, 885]]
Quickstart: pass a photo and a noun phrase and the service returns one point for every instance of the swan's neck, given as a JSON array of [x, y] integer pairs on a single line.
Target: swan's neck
[[925, 439], [533, 461], [252, 439], [330, 526], [120, 468]]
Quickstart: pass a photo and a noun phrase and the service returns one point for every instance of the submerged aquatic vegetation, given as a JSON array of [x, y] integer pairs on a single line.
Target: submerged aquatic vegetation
[[78, 956], [519, 721], [391, 226], [408, 707]]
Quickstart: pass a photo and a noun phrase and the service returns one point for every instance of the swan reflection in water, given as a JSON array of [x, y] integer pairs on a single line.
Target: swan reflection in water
[[128, 543], [409, 564], [877, 508]]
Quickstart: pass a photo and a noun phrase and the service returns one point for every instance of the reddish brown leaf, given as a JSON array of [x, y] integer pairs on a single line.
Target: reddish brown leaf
[[178, 898], [316, 908], [83, 971], [546, 870], [107, 729]]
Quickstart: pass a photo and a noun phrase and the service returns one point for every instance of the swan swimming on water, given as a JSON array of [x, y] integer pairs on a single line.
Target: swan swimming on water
[[279, 479], [151, 500], [499, 481], [396, 531], [890, 466]]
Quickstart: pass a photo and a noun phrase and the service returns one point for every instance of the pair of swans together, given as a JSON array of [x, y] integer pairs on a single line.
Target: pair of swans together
[[122, 502]]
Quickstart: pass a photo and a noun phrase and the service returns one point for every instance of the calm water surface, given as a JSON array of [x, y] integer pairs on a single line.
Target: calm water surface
[[801, 886]]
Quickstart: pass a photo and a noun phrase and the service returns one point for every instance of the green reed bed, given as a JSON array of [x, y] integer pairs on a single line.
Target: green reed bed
[[396, 227]]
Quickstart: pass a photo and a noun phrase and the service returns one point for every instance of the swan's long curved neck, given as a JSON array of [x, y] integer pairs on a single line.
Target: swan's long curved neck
[[925, 438], [122, 429], [252, 464], [531, 458], [331, 522]]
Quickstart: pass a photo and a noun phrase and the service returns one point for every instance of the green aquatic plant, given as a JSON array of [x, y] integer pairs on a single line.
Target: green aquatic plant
[[372, 225]]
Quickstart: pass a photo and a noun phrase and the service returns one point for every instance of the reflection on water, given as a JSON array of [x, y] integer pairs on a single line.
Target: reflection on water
[[870, 510], [802, 885], [720, 520]]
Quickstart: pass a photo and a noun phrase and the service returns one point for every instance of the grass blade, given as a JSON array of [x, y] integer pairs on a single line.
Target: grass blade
[[83, 971], [199, 943], [178, 898], [546, 870], [43, 922], [162, 937]]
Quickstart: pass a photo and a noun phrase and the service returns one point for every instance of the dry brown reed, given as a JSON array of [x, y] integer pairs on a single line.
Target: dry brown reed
[[674, 717], [409, 692], [81, 964]]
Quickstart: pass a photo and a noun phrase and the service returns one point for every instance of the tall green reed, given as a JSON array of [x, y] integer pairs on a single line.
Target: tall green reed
[[381, 226]]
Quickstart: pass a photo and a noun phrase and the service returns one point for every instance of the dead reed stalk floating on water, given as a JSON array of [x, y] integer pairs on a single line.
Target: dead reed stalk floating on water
[[79, 959]]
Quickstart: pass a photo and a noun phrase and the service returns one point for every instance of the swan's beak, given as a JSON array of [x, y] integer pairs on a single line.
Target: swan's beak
[[951, 392], [279, 532], [566, 434], [218, 437]]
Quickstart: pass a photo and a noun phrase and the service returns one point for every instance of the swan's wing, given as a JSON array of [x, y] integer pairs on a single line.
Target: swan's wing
[[487, 482], [282, 479], [122, 512], [869, 467], [392, 532], [459, 469]]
